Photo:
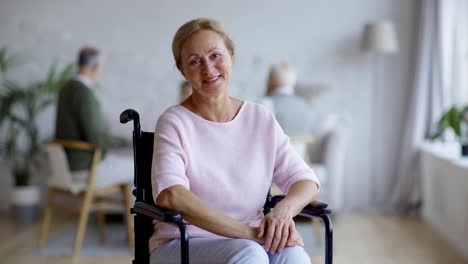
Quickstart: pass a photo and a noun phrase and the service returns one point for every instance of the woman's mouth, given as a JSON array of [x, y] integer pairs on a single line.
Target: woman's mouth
[[211, 80]]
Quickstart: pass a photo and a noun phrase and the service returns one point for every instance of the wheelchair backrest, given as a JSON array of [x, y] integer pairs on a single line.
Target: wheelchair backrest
[[143, 152]]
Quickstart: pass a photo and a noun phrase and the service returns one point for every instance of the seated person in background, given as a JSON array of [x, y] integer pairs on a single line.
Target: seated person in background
[[79, 117], [185, 91], [292, 112], [214, 160]]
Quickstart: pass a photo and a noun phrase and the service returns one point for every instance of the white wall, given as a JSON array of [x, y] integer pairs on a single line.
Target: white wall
[[444, 188], [319, 37]]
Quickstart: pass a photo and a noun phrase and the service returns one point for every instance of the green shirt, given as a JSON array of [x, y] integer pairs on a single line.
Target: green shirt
[[79, 117]]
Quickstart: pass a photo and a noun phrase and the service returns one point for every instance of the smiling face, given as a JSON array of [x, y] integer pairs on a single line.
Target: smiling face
[[206, 64]]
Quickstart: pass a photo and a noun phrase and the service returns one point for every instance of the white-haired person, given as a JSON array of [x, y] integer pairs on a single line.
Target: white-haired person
[[214, 160], [292, 111], [79, 117]]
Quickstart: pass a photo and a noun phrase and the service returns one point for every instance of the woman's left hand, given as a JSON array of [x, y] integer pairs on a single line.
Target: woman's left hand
[[277, 226]]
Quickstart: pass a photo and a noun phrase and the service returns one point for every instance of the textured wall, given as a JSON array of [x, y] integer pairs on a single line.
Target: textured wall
[[319, 37]]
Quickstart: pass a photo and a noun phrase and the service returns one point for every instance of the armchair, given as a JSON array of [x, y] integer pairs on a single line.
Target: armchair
[[63, 184], [326, 156]]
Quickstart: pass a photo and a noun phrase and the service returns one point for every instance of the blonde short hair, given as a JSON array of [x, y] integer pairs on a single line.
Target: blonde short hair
[[193, 26]]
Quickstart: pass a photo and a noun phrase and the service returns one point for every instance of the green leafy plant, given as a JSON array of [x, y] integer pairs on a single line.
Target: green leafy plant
[[20, 106], [455, 118], [7, 60]]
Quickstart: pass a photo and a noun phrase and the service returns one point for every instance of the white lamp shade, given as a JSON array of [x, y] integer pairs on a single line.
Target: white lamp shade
[[380, 37]]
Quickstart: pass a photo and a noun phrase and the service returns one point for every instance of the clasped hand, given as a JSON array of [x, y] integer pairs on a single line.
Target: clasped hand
[[277, 230]]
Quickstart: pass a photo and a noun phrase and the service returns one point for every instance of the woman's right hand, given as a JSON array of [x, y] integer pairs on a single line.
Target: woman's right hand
[[294, 239]]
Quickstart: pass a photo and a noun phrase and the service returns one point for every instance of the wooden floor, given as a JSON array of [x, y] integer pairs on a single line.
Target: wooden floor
[[358, 239]]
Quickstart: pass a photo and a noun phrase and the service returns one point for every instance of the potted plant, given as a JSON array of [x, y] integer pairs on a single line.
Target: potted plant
[[20, 106], [456, 118]]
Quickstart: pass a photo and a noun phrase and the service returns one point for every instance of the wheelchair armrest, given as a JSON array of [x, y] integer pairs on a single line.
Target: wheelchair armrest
[[166, 216], [158, 213], [315, 208]]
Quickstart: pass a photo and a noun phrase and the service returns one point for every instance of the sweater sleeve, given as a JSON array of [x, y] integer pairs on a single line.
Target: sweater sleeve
[[289, 166], [169, 158], [91, 122]]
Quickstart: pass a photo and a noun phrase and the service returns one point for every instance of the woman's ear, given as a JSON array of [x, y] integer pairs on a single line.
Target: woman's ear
[[232, 55]]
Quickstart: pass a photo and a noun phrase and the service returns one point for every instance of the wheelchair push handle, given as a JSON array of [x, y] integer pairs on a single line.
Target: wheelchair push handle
[[129, 115]]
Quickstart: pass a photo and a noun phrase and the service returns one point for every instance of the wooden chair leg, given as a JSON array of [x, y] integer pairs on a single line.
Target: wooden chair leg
[[84, 214], [126, 192], [102, 224], [46, 219], [318, 229]]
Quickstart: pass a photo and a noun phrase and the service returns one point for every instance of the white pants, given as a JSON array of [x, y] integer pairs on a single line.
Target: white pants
[[218, 250]]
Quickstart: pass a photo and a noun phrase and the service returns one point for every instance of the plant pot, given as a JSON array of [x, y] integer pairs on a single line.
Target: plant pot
[[25, 204], [464, 149]]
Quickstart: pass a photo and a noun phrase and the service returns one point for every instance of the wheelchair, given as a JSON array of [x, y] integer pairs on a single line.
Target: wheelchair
[[145, 210]]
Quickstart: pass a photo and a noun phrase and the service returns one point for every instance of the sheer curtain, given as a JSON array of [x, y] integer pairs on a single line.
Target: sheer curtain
[[440, 81]]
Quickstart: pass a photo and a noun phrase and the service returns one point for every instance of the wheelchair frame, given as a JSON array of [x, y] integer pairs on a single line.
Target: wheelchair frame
[[145, 210]]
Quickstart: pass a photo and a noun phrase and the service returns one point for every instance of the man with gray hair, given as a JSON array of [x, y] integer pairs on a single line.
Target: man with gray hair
[[79, 117], [291, 111]]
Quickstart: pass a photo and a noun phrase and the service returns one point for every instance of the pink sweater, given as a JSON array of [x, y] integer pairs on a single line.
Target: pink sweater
[[229, 165]]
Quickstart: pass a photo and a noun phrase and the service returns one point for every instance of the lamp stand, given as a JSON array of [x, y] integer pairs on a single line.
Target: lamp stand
[[375, 149]]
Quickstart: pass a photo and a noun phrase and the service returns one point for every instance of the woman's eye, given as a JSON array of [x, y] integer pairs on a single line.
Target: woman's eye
[[215, 55], [194, 62]]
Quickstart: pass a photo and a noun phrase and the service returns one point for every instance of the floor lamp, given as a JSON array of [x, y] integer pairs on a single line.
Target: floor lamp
[[379, 39]]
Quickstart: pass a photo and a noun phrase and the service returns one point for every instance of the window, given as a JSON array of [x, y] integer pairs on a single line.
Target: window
[[454, 36]]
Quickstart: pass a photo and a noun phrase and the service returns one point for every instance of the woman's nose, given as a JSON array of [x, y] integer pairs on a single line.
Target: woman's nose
[[207, 66]]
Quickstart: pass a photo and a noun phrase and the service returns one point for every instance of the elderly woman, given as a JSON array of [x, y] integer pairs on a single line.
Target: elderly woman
[[215, 158]]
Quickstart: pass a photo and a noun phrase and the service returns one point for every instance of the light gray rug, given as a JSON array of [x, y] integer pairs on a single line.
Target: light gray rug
[[116, 243]]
